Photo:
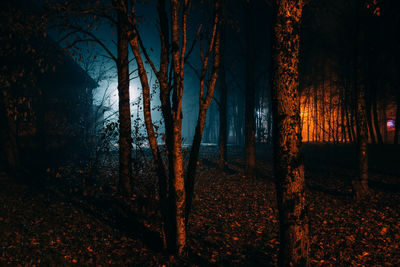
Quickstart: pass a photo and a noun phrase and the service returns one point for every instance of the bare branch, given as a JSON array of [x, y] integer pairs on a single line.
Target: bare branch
[[132, 22], [133, 71], [194, 70], [95, 39], [194, 42]]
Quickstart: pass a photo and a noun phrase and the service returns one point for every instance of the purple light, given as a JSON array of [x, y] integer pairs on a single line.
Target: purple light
[[390, 124]]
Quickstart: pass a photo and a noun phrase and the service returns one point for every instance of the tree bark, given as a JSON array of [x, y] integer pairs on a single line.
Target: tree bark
[[360, 184], [350, 126], [177, 192], [250, 140], [8, 135], [125, 138], [323, 102], [397, 121], [223, 108], [316, 114], [376, 118], [288, 163], [342, 114], [369, 116]]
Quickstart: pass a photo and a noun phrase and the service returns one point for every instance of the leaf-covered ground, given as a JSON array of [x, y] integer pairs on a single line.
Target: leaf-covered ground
[[234, 221]]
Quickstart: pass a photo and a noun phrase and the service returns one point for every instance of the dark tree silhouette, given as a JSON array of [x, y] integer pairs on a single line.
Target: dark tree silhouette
[[223, 97], [360, 183], [250, 131], [125, 138]]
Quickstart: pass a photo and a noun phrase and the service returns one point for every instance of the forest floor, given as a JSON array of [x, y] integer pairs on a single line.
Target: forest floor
[[234, 219]]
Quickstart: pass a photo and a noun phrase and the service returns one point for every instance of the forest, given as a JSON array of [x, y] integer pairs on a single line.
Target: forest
[[199, 133]]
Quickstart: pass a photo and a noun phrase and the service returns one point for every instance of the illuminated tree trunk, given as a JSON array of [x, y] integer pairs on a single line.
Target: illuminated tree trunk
[[316, 114], [125, 139], [308, 114], [342, 116], [174, 189], [288, 163], [338, 115], [250, 140], [350, 128], [323, 108], [329, 111], [177, 192], [171, 186]]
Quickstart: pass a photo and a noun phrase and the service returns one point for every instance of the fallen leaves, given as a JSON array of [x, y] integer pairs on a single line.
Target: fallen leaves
[[234, 222]]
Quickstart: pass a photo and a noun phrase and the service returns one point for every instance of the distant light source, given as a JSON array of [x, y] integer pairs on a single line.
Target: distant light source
[[390, 124]]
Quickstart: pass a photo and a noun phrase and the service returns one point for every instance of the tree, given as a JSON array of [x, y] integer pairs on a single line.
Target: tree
[[22, 62], [125, 138], [250, 138], [175, 188], [360, 183], [397, 121], [75, 19], [223, 98], [288, 163]]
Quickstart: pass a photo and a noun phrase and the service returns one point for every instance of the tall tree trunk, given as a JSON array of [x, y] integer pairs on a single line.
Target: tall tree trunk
[[288, 163], [350, 128], [360, 184], [165, 91], [8, 135], [315, 128], [369, 116], [353, 113], [329, 111], [125, 138], [376, 118], [250, 142], [223, 100], [397, 121], [323, 118], [384, 120], [269, 125], [342, 116], [308, 114], [177, 192], [338, 116]]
